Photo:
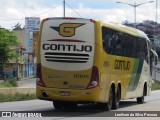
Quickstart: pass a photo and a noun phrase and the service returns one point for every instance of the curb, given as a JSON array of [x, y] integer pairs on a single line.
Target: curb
[[21, 90]]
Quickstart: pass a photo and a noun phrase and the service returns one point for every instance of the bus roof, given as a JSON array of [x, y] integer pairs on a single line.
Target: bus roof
[[126, 29], [115, 26]]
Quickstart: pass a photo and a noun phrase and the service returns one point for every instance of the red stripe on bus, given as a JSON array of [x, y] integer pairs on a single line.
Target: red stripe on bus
[[66, 40]]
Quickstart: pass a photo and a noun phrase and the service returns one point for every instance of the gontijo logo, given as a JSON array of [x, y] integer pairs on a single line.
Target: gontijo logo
[[74, 52], [67, 29]]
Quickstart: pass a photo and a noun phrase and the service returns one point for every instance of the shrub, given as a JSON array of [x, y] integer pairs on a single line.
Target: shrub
[[9, 83]]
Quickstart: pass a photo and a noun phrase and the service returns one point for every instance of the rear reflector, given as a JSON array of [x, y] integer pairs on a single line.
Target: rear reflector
[[46, 19], [39, 76], [92, 20], [94, 78]]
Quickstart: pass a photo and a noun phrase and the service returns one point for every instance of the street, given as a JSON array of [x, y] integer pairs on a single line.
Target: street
[[152, 104]]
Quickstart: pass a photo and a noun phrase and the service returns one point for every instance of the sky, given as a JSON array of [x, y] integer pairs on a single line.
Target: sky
[[15, 11]]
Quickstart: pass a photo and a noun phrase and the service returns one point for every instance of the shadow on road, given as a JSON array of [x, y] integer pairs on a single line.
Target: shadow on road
[[124, 104], [86, 110]]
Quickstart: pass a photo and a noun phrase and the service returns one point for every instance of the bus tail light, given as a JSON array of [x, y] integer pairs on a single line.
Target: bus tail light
[[46, 19], [39, 76], [91, 20], [94, 78]]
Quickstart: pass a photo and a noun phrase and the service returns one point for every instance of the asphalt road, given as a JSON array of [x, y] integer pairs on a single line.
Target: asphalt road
[[88, 111]]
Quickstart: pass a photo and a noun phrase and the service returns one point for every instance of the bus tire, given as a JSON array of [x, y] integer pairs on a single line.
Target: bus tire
[[58, 104], [64, 105], [107, 106], [72, 106], [110, 101], [140, 100], [116, 99]]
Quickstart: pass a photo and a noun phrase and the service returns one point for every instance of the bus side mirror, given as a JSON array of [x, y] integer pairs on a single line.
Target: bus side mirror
[[153, 53], [156, 61]]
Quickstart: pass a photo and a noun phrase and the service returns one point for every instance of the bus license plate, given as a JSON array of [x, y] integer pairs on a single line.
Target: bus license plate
[[65, 93]]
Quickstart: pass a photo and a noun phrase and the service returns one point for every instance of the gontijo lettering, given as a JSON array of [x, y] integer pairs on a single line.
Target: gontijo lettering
[[121, 65], [67, 47]]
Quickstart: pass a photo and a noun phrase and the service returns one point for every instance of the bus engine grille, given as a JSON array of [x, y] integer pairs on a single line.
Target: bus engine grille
[[66, 57]]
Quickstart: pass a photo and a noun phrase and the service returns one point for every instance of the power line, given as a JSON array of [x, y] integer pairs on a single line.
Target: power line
[[46, 11], [73, 10], [10, 19], [31, 16]]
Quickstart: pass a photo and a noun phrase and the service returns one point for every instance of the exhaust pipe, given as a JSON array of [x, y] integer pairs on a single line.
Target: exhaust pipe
[[44, 93]]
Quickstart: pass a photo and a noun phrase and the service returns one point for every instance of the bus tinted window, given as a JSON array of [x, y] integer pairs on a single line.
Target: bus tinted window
[[122, 44]]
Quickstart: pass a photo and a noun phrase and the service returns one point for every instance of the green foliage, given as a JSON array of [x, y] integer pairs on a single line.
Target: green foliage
[[16, 97], [156, 85], [7, 39], [5, 84], [9, 83]]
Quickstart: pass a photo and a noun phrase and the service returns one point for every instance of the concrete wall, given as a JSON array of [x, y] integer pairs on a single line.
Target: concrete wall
[[17, 90], [156, 72], [21, 36]]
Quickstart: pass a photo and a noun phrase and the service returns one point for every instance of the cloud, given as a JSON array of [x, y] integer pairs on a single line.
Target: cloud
[[117, 15], [29, 8]]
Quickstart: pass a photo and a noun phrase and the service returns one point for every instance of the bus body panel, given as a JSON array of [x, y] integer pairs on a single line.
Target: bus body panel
[[131, 73], [141, 78], [67, 80], [67, 50], [90, 95]]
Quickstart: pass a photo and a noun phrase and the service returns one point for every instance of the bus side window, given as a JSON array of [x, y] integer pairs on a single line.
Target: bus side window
[[106, 39], [118, 45], [125, 51]]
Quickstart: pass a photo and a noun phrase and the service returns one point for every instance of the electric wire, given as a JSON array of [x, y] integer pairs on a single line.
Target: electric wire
[[73, 10], [31, 16], [36, 15]]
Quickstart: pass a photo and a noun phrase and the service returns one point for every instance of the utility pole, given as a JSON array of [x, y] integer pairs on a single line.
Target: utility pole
[[135, 17], [64, 8], [135, 6], [156, 10], [155, 39]]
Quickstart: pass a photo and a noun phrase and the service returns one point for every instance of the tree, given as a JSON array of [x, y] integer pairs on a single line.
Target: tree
[[7, 40]]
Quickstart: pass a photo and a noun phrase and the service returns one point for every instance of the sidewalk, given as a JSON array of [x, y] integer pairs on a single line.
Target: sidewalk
[[29, 82], [25, 86], [25, 82]]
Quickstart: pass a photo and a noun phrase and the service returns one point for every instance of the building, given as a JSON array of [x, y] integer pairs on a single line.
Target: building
[[20, 33], [34, 48], [15, 67], [151, 28], [31, 26], [35, 40]]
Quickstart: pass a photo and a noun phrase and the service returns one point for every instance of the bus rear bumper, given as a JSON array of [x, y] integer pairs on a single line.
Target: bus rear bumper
[[51, 94]]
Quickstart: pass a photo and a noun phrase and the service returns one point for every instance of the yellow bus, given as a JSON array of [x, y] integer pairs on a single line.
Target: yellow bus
[[88, 61]]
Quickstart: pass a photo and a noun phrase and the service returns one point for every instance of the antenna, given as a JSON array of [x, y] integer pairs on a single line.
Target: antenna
[[64, 8]]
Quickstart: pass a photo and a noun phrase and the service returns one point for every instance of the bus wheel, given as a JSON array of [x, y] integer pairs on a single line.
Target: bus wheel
[[72, 106], [107, 106], [140, 100], [116, 99], [64, 105], [58, 104], [110, 101]]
